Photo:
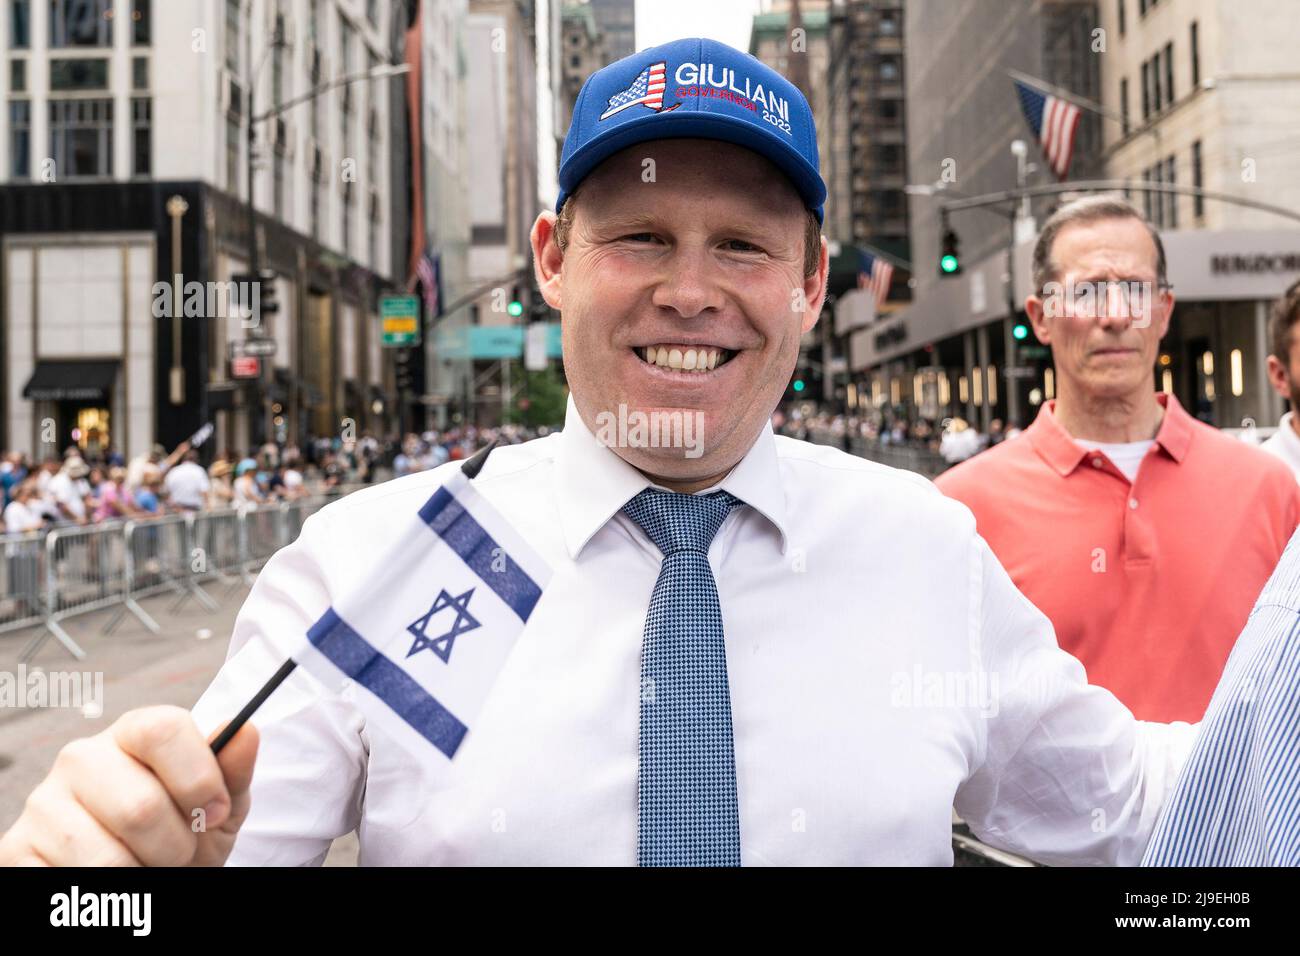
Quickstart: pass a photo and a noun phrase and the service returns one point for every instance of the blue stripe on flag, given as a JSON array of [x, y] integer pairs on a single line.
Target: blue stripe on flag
[[449, 520], [359, 660]]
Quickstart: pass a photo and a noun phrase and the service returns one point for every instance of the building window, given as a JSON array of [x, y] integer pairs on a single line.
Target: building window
[[374, 232], [20, 24], [81, 137], [232, 153], [141, 136], [1157, 102], [1122, 24], [1196, 55], [20, 139], [1171, 180], [140, 73], [888, 25], [889, 71], [1198, 202], [348, 193], [81, 23], [1146, 90], [232, 37], [1169, 74], [17, 76], [1123, 104], [140, 23], [68, 76]]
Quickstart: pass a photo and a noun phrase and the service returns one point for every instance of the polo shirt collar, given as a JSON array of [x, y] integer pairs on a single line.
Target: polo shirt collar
[[593, 482], [1059, 449]]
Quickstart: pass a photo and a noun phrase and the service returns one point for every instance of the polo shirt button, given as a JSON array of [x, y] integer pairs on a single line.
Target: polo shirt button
[[1133, 503], [1096, 463]]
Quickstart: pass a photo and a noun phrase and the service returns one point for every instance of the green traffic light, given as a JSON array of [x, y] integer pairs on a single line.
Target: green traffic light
[[798, 385], [1020, 332], [516, 309], [948, 264]]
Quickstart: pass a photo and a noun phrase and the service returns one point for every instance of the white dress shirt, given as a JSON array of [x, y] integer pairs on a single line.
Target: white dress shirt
[[883, 669], [1285, 444]]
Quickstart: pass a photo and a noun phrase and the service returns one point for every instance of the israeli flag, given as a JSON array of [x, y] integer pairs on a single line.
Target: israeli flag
[[424, 635]]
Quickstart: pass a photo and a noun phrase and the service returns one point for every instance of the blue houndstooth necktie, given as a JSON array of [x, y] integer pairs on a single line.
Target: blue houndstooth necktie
[[686, 795]]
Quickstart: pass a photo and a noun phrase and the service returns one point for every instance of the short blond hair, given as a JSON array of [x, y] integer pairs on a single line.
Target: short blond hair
[[812, 237]]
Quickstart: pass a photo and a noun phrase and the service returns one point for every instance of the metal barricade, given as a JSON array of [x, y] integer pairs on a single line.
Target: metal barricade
[[260, 535], [85, 570], [22, 572], [215, 552], [923, 461], [158, 559]]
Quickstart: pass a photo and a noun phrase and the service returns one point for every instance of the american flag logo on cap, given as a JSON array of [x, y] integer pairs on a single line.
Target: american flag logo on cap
[[646, 90]]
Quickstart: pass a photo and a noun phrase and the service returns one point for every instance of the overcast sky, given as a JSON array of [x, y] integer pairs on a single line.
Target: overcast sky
[[658, 21]]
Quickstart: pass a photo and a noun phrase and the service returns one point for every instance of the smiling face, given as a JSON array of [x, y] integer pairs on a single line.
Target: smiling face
[[682, 296], [1100, 349]]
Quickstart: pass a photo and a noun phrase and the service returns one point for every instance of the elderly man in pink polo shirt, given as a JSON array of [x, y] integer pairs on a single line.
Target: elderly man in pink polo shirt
[[1143, 534]]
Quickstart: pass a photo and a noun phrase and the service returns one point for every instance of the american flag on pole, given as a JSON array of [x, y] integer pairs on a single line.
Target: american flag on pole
[[427, 271], [1054, 122], [647, 90], [875, 274]]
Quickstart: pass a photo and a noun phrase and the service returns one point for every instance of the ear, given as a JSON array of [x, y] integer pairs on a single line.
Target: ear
[[1278, 377], [548, 261], [1037, 316], [1166, 313], [814, 287]]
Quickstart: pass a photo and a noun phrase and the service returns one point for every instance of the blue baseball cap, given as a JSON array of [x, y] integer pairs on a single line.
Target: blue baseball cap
[[694, 88]]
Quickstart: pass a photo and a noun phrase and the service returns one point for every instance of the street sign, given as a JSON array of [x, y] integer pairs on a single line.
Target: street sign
[[399, 319], [245, 366], [260, 346]]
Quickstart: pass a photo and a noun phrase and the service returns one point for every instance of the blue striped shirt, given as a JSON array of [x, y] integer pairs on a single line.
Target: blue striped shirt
[[1237, 802]]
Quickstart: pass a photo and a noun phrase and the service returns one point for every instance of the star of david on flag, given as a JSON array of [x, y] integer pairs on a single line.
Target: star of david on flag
[[442, 644], [461, 584]]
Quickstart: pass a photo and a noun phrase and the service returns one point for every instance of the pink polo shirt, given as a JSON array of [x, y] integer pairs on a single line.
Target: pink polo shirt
[[1149, 583]]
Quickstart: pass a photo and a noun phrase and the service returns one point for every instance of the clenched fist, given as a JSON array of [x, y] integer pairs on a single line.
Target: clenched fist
[[145, 792]]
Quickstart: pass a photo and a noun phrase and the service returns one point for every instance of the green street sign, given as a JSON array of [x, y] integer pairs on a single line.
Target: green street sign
[[399, 320]]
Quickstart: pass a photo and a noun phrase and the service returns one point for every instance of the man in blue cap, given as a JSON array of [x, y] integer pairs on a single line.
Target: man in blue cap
[[751, 650]]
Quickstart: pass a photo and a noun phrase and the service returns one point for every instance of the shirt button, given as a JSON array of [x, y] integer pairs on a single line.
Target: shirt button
[[1096, 463], [1133, 503]]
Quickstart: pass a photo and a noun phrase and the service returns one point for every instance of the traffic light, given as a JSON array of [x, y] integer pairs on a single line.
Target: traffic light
[[267, 288], [949, 255], [798, 385], [1020, 332], [515, 308]]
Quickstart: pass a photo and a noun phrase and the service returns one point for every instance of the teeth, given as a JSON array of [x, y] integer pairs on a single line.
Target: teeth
[[683, 359]]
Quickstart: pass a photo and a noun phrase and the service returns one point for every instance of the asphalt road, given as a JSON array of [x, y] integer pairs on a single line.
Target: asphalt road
[[138, 668]]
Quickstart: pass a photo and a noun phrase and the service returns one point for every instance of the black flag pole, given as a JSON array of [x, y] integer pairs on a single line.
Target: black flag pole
[[470, 469]]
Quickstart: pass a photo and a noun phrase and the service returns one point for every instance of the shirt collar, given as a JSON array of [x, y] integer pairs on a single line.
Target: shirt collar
[[1058, 448], [594, 482]]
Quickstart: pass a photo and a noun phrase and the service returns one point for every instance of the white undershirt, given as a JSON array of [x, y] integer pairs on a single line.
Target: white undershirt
[[1126, 456]]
